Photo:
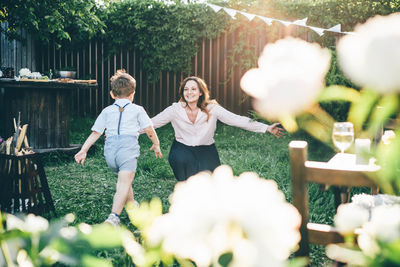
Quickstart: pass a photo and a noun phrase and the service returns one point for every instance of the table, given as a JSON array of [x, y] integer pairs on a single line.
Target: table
[[44, 105], [347, 161]]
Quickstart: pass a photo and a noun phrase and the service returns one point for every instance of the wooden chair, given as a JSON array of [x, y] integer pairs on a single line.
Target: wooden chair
[[325, 173]]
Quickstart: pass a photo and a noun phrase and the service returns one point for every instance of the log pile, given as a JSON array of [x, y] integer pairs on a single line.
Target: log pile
[[17, 144]]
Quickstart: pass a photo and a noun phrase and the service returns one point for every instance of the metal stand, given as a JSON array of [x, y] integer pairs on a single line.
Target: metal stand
[[23, 185]]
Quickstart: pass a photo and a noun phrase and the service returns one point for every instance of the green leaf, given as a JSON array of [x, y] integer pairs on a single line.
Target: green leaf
[[394, 252], [386, 107], [388, 155], [89, 260], [104, 236], [339, 93], [297, 262], [361, 109], [225, 259]]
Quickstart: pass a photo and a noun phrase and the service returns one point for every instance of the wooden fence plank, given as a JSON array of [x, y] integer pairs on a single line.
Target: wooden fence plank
[[212, 62]]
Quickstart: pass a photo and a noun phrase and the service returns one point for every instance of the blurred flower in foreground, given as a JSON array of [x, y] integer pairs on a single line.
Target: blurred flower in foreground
[[371, 56], [384, 224], [378, 236], [216, 214], [289, 77], [32, 223], [349, 217]]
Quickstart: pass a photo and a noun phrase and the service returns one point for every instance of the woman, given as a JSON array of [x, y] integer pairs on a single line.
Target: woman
[[194, 119]]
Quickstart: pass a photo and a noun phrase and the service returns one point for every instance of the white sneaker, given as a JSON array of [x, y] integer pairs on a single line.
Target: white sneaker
[[113, 220]]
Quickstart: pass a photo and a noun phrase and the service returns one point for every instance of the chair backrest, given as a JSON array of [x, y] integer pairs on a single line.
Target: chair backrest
[[304, 172]]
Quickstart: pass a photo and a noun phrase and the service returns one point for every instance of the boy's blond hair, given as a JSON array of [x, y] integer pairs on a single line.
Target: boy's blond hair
[[122, 84]]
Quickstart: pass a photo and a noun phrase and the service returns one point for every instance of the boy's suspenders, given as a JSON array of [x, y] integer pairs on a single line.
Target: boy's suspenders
[[121, 109]]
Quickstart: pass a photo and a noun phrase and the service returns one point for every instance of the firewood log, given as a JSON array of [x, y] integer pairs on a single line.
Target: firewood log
[[21, 137]]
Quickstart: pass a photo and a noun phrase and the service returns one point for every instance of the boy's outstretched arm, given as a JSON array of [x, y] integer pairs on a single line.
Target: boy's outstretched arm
[[151, 133], [81, 155]]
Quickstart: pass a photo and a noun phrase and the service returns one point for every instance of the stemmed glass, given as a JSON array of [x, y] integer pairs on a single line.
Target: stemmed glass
[[343, 135]]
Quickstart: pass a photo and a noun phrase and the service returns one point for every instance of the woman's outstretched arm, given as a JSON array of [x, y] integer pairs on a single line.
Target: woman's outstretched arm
[[246, 123]]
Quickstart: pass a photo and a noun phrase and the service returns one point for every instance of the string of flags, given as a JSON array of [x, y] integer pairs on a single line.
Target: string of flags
[[302, 22]]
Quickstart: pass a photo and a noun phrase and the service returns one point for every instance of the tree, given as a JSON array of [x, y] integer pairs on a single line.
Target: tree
[[47, 20]]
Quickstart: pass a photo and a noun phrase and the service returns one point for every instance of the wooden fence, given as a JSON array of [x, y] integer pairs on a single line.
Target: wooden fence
[[213, 62], [16, 54]]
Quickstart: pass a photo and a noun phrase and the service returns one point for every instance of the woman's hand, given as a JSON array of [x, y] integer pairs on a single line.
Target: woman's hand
[[157, 150], [276, 130]]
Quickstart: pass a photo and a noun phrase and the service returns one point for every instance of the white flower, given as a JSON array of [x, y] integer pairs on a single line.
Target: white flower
[[214, 214], [367, 244], [134, 249], [349, 217], [364, 200], [371, 56], [384, 224], [32, 223], [23, 259], [25, 72], [35, 223], [289, 77], [68, 232]]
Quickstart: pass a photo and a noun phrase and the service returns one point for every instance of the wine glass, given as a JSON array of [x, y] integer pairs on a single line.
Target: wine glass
[[342, 135]]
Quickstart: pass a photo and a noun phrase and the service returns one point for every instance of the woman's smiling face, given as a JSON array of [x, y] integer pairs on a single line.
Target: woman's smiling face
[[191, 92]]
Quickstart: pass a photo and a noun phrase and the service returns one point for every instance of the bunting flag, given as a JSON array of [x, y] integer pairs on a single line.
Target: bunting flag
[[230, 12], [250, 17], [319, 31], [268, 21], [336, 28], [215, 8], [301, 22]]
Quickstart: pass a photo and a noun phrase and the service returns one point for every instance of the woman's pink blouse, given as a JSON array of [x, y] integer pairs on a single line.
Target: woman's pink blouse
[[201, 132]]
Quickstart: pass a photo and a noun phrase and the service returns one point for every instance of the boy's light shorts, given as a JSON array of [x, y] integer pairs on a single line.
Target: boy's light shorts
[[121, 152]]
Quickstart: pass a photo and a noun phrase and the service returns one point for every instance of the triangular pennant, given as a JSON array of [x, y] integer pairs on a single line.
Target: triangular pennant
[[268, 21], [320, 31], [301, 22], [230, 12], [214, 7], [250, 17], [286, 23], [336, 28]]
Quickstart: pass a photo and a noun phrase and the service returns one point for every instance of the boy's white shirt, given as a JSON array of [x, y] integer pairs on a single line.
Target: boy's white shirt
[[201, 132], [133, 119]]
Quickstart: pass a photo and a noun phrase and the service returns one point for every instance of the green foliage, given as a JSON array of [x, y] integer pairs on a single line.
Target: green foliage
[[33, 241], [320, 13], [61, 21], [337, 109], [165, 35]]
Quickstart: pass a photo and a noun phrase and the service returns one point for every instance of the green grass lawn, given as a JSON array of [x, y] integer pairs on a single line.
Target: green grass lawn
[[87, 190]]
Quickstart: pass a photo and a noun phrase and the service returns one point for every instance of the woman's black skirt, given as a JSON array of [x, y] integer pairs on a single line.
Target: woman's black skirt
[[186, 160]]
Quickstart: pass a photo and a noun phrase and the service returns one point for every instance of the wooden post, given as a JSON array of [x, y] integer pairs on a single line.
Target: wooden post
[[298, 156]]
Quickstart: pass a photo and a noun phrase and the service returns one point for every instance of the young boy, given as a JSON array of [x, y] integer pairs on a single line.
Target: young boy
[[121, 122]]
